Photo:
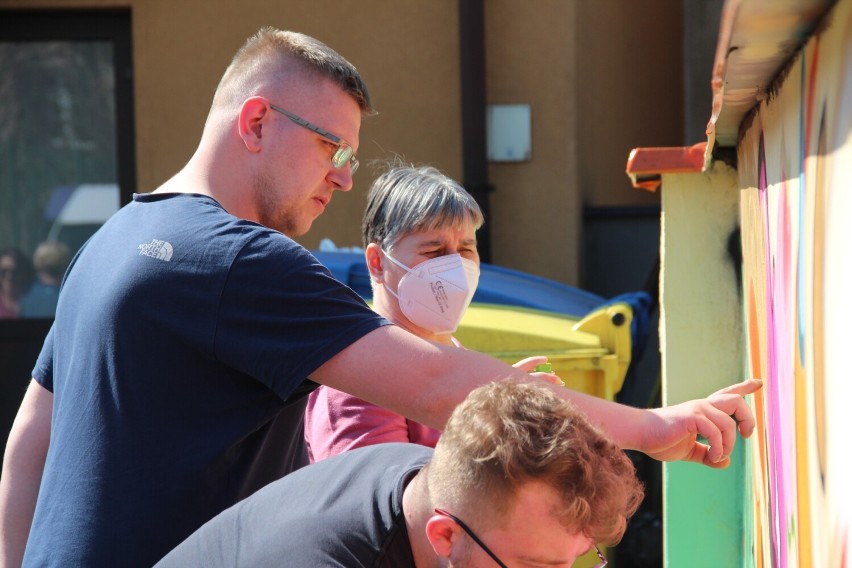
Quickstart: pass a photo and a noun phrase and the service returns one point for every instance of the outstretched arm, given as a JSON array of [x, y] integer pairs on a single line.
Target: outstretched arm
[[672, 433], [23, 464], [424, 381]]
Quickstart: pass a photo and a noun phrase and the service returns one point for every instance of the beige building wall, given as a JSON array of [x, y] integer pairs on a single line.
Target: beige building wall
[[535, 207], [584, 67], [628, 91]]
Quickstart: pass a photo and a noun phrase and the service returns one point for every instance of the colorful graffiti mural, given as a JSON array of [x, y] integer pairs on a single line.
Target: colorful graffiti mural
[[794, 161]]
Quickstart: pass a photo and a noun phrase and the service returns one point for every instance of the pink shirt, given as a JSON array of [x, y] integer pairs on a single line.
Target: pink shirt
[[336, 422]]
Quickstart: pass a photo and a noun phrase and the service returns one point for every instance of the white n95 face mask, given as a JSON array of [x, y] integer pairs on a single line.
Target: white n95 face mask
[[435, 294]]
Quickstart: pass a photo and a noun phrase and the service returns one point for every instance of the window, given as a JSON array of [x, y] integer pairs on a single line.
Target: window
[[66, 144], [66, 122]]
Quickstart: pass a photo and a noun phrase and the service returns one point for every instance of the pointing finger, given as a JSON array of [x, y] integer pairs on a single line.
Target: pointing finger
[[743, 388]]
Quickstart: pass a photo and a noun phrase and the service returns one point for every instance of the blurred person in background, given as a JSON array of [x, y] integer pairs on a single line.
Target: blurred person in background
[[50, 261], [16, 274]]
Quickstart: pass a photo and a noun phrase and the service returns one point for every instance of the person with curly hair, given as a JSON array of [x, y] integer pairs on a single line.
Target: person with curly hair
[[520, 477]]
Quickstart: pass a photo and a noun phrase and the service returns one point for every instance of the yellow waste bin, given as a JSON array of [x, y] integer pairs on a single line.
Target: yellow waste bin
[[590, 355]]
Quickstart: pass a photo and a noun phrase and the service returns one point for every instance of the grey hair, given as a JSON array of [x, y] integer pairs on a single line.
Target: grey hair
[[263, 54], [407, 199]]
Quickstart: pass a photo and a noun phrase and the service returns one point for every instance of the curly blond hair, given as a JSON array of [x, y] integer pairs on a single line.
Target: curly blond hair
[[507, 434]]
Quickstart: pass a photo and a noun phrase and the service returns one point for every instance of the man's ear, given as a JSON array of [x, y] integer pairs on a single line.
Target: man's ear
[[375, 262], [441, 532], [253, 114]]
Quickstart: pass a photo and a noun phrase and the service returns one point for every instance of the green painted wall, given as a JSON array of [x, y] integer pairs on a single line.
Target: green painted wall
[[701, 344]]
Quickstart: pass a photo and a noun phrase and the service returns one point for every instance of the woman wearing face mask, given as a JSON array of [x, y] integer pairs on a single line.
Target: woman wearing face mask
[[419, 230]]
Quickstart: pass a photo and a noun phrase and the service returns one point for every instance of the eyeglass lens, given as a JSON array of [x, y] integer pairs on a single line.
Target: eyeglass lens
[[344, 152], [342, 155]]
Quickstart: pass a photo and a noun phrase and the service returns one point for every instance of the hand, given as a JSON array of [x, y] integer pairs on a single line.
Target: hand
[[529, 364], [673, 431]]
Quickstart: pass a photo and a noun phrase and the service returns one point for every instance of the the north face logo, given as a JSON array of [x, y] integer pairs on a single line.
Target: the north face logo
[[157, 249]]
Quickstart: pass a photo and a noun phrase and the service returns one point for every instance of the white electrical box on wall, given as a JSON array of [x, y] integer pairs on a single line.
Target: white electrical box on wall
[[509, 133]]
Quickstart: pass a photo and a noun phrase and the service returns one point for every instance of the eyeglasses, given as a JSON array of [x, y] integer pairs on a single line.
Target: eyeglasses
[[344, 153], [603, 561]]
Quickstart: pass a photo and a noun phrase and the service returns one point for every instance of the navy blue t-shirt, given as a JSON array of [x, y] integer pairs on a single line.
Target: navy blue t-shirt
[[179, 334], [345, 511]]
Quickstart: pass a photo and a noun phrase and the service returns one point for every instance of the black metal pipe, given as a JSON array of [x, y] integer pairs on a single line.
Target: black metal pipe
[[474, 150]]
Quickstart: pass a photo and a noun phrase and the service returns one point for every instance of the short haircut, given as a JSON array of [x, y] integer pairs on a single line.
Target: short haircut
[[269, 51], [506, 434], [52, 257], [406, 199]]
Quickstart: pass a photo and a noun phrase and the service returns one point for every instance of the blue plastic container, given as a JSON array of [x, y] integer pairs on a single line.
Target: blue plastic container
[[497, 285]]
